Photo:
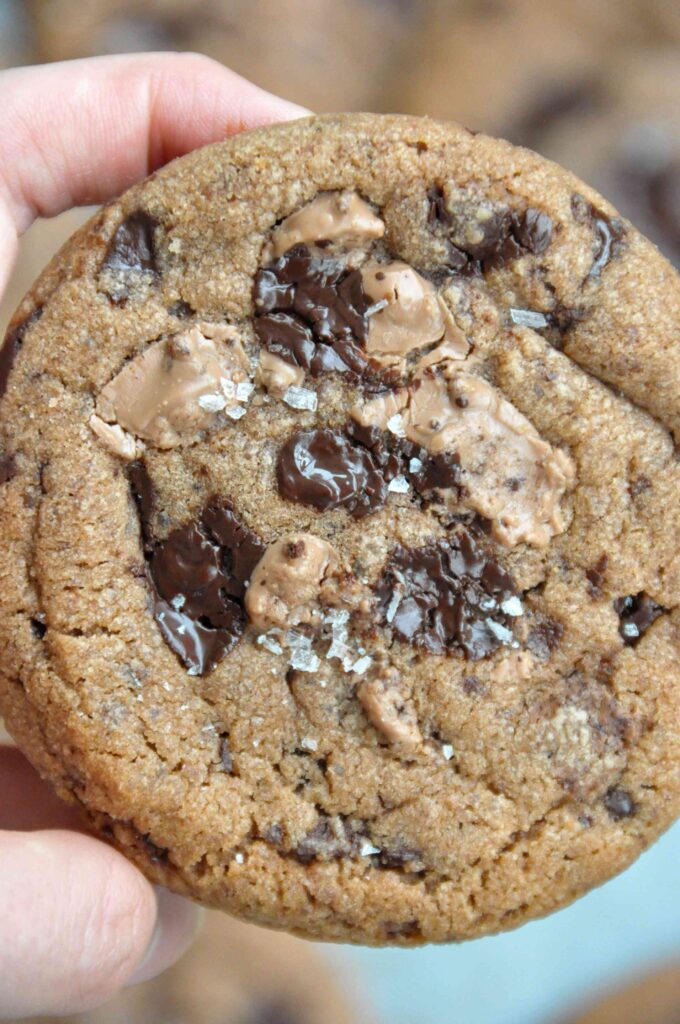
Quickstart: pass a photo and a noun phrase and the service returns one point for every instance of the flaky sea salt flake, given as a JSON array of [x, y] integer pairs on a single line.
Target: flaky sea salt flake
[[235, 412], [300, 398], [512, 606], [528, 318], [395, 425], [368, 850], [399, 485], [212, 403], [362, 664]]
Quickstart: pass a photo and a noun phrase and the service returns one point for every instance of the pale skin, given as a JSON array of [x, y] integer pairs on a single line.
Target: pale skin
[[77, 921]]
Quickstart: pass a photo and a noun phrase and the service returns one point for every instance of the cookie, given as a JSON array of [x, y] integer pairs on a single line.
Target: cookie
[[286, 48], [652, 999], [340, 564], [15, 35], [241, 974]]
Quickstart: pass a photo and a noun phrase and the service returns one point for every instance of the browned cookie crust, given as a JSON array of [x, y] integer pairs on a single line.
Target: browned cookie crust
[[340, 517]]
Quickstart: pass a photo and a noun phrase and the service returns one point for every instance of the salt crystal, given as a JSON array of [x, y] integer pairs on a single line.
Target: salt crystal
[[235, 412], [212, 403], [228, 387], [307, 743], [178, 602], [362, 664], [267, 641], [300, 398], [512, 606], [368, 850], [630, 629], [244, 391], [337, 616], [500, 632], [302, 656], [487, 604], [398, 484], [447, 751], [376, 307], [395, 601], [395, 425], [239, 858], [415, 465], [528, 318]]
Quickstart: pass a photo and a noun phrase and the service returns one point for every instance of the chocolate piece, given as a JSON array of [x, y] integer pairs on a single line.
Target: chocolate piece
[[311, 312], [663, 191], [132, 247], [505, 234], [440, 471], [619, 803], [199, 575], [639, 485], [324, 469], [330, 839], [596, 574], [402, 929], [544, 637], [564, 100], [636, 613], [8, 468], [401, 857], [608, 232], [14, 339], [451, 597]]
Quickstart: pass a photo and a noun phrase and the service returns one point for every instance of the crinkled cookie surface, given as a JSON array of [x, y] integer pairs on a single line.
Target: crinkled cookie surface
[[341, 562]]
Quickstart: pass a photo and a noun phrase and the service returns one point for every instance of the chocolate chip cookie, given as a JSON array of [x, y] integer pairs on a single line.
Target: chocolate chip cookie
[[239, 974], [340, 563]]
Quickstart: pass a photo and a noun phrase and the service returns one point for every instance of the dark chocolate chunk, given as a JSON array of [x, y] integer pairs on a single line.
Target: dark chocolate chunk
[[544, 637], [8, 468], [324, 469], [330, 839], [619, 803], [441, 472], [402, 929], [132, 247], [636, 613], [505, 235], [310, 310], [14, 339], [474, 687], [639, 485], [158, 854], [596, 574], [198, 575], [451, 597], [608, 232], [401, 857]]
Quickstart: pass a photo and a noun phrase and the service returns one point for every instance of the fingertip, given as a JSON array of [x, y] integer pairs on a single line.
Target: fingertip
[[177, 924]]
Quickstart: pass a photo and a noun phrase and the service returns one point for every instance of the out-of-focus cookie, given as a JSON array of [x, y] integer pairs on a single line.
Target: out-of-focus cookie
[[650, 999], [238, 974], [325, 55]]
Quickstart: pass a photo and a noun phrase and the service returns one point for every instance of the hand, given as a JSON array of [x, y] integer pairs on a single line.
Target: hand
[[78, 921]]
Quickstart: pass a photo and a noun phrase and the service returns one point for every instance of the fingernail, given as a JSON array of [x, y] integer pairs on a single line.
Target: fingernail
[[177, 923]]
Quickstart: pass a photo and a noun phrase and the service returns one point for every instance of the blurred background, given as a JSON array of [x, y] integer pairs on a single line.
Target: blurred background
[[594, 85]]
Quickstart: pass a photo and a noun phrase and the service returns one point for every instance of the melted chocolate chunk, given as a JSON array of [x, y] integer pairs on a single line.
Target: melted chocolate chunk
[[619, 803], [132, 247], [38, 629], [8, 468], [451, 597], [636, 614], [198, 575], [310, 310], [506, 235], [608, 232], [14, 339], [324, 469]]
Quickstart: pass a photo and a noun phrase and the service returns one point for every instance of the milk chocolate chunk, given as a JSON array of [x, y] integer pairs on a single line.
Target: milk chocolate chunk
[[310, 310], [8, 468], [343, 218], [324, 469], [448, 598], [636, 614], [608, 232], [14, 339], [285, 585]]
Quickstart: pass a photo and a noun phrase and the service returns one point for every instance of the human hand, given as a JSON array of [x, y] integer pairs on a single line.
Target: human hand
[[78, 921]]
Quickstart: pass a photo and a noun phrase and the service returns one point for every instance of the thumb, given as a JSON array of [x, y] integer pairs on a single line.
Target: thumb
[[79, 922]]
